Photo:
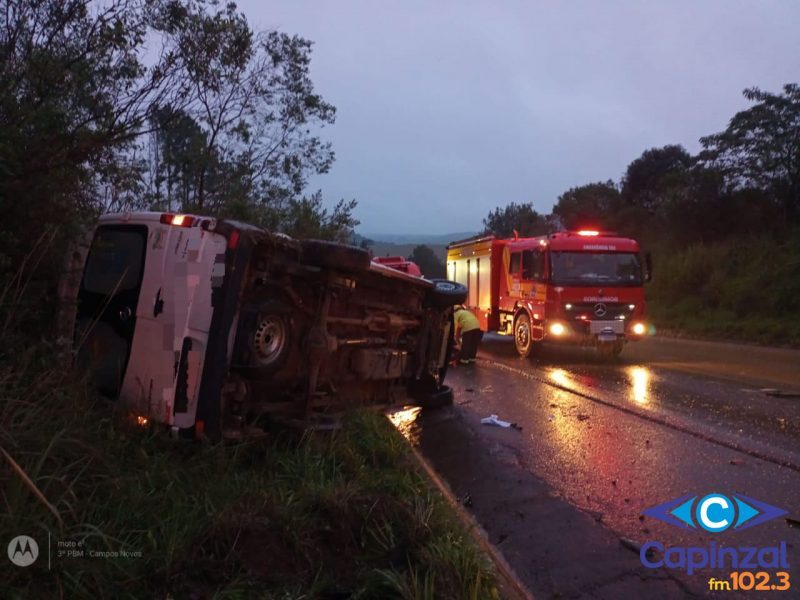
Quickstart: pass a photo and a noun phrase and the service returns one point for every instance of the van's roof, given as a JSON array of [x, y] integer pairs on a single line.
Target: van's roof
[[153, 216]]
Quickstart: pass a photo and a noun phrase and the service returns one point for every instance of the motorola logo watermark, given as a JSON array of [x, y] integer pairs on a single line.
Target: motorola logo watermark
[[23, 551]]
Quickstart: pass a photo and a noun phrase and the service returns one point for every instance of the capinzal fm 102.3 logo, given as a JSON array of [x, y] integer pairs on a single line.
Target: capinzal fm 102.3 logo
[[715, 513]]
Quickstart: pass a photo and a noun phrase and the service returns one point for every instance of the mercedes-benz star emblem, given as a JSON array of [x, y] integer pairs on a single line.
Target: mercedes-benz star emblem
[[600, 309]]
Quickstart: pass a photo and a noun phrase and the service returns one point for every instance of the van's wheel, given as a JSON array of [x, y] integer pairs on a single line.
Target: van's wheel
[[447, 293], [448, 354], [330, 255], [522, 336], [272, 336]]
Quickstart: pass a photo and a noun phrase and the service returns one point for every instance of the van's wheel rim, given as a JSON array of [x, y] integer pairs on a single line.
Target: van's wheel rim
[[270, 339]]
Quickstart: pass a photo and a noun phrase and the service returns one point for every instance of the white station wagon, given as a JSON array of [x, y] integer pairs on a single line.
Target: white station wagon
[[209, 326]]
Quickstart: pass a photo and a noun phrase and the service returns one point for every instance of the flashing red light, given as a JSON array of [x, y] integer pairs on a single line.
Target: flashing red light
[[233, 241], [588, 232], [177, 220]]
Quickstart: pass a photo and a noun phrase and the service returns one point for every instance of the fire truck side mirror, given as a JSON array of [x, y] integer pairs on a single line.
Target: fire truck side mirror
[[648, 262]]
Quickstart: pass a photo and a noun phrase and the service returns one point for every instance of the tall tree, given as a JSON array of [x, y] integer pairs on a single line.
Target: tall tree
[[256, 103], [74, 93], [522, 218], [588, 205], [648, 178], [425, 258], [761, 147], [307, 218]]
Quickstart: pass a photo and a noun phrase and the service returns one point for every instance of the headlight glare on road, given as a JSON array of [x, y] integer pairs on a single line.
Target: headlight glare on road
[[557, 329], [638, 328]]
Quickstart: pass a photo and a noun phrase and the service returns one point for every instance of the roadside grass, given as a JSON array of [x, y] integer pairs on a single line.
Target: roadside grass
[[747, 289], [345, 515]]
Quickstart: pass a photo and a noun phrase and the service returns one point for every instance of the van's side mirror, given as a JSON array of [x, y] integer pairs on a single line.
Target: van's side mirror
[[648, 262]]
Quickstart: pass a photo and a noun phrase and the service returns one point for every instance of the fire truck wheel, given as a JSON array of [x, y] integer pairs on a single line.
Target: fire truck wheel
[[330, 255], [522, 335], [438, 399], [272, 336], [447, 293]]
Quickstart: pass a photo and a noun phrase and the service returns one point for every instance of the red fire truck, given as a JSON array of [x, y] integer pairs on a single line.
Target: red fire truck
[[578, 287]]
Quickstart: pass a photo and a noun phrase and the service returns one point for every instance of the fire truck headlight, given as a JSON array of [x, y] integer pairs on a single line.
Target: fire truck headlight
[[638, 328], [557, 329]]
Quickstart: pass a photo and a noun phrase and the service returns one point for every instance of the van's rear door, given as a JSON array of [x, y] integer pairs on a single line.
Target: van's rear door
[[107, 300]]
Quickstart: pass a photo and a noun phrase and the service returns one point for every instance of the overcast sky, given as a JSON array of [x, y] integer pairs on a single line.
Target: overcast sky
[[449, 109]]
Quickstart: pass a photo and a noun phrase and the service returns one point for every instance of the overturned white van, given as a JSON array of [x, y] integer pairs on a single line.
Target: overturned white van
[[209, 326]]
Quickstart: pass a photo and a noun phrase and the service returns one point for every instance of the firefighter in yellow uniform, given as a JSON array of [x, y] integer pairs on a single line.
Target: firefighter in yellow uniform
[[468, 330]]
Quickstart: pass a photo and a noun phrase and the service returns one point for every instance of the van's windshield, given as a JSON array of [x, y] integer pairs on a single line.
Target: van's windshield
[[593, 268]]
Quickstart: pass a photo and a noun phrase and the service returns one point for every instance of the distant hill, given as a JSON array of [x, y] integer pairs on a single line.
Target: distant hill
[[417, 238], [402, 244], [389, 249]]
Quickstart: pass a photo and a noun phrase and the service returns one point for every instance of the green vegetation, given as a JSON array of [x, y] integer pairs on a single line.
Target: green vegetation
[[431, 265], [346, 515], [159, 104], [722, 225], [746, 288], [177, 105]]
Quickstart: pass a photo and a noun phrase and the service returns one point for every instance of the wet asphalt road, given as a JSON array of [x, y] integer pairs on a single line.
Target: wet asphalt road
[[603, 440]]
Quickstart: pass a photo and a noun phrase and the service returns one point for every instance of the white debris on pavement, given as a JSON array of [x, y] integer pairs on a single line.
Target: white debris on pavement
[[493, 420]]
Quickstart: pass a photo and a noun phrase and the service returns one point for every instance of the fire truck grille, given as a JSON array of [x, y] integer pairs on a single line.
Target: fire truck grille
[[594, 311]]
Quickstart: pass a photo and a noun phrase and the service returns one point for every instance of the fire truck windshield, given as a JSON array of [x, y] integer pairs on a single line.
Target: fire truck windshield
[[593, 268]]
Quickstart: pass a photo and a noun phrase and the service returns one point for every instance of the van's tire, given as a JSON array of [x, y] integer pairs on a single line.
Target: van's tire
[[451, 342], [272, 337], [438, 399], [446, 293], [330, 255], [523, 340]]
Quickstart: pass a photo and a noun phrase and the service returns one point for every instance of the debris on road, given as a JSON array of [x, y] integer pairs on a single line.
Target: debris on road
[[582, 417], [494, 420], [736, 461]]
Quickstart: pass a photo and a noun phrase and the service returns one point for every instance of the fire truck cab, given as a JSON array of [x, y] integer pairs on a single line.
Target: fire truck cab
[[575, 287]]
